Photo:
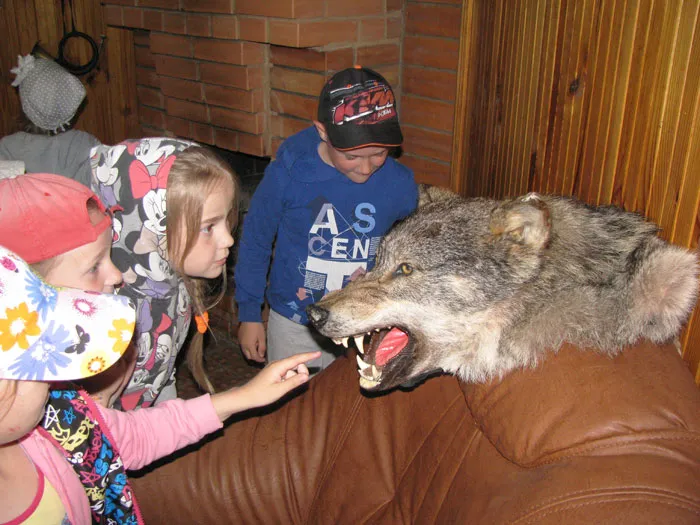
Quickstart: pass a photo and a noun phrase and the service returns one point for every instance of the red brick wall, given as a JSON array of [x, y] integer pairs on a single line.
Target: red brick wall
[[245, 74], [429, 81]]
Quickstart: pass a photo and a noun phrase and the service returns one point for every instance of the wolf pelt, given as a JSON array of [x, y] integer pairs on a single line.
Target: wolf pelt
[[482, 287]]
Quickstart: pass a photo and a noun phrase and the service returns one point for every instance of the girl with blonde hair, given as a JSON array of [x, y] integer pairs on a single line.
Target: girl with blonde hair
[[175, 208], [63, 458]]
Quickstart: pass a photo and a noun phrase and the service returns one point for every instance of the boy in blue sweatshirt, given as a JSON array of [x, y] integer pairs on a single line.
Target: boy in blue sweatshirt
[[325, 202]]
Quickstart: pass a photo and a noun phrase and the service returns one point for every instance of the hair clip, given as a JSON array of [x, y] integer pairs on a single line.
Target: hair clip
[[202, 322]]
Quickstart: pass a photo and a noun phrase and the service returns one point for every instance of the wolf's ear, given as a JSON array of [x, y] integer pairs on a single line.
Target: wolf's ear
[[428, 193], [524, 221]]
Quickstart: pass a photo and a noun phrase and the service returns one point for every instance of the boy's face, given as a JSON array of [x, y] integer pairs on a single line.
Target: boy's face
[[88, 267], [22, 406], [358, 165]]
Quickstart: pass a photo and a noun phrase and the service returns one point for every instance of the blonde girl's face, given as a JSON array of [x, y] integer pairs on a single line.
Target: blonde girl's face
[[22, 405], [208, 256]]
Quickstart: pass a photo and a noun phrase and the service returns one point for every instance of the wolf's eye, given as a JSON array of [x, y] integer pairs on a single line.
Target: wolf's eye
[[404, 269]]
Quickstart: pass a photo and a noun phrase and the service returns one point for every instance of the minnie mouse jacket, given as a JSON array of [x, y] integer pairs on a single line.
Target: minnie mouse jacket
[[131, 179]]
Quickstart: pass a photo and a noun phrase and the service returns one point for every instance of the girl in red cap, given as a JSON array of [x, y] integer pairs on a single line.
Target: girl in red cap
[[67, 459]]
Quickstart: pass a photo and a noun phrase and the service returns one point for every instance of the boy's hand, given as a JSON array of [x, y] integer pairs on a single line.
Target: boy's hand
[[271, 383], [251, 337]]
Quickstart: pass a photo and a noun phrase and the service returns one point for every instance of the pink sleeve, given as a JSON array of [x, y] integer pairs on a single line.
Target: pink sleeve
[[144, 435]]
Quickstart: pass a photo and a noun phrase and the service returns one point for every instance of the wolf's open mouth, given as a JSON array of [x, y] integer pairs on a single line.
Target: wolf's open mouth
[[384, 345]]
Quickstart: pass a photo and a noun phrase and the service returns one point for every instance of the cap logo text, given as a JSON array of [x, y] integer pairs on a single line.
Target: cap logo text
[[366, 106]]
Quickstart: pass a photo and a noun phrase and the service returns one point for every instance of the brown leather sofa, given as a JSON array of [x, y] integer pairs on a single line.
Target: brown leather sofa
[[582, 439]]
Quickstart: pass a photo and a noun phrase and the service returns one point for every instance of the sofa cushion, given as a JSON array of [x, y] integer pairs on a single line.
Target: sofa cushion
[[335, 455], [584, 403]]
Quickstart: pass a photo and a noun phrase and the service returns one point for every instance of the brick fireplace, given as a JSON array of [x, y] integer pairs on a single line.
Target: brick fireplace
[[242, 75]]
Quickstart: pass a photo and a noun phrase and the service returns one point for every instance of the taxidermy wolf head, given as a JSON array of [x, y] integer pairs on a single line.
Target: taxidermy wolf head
[[478, 287]]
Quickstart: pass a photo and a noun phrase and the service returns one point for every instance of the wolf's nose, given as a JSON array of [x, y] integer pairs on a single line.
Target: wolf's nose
[[317, 315]]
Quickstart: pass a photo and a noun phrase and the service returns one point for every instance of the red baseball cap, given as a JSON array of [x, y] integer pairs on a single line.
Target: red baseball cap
[[43, 215]]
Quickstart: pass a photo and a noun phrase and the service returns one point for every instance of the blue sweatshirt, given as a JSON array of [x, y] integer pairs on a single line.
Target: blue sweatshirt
[[327, 228]]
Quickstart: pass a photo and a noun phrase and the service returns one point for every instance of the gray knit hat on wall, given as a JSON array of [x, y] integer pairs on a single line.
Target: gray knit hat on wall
[[49, 94]]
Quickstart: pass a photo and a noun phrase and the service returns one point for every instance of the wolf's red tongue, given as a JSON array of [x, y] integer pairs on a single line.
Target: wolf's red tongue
[[390, 346]]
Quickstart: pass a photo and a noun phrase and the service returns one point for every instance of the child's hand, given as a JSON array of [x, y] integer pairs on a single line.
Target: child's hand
[[251, 337], [271, 383]]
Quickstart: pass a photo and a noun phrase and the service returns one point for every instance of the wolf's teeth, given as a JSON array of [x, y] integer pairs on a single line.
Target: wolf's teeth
[[361, 363], [344, 342], [375, 372], [367, 383], [360, 343], [365, 374], [337, 341]]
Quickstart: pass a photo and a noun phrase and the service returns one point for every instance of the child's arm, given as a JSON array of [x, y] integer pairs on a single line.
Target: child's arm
[[145, 435], [273, 382], [255, 247], [253, 258]]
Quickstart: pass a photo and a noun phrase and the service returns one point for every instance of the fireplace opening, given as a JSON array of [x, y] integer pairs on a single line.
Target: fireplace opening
[[250, 170]]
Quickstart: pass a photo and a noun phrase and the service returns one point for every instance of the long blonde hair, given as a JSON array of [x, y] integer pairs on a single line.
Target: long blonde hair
[[196, 172]]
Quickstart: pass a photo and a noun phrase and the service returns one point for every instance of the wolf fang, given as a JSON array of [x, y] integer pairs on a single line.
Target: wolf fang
[[496, 284]]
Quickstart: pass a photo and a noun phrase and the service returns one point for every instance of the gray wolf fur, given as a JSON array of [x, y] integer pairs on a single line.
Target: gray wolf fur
[[478, 287]]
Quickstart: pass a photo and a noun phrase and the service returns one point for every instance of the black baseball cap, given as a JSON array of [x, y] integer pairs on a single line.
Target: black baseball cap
[[358, 109]]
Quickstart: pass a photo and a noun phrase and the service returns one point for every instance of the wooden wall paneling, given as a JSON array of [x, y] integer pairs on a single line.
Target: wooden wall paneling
[[685, 231], [483, 153], [633, 126], [110, 107], [605, 74], [509, 87], [471, 68], [625, 91], [580, 104], [122, 94], [96, 116], [517, 100], [49, 29], [573, 91], [18, 32], [503, 99], [546, 72], [660, 148], [531, 57], [596, 99], [484, 79], [554, 107], [466, 58], [524, 61], [685, 85], [667, 136], [635, 184]]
